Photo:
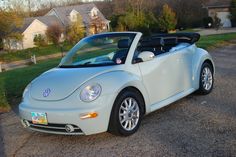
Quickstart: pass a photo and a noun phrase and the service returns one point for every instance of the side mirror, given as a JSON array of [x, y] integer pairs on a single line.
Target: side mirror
[[146, 56]]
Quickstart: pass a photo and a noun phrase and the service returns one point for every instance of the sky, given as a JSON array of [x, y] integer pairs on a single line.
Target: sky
[[3, 3], [7, 3]]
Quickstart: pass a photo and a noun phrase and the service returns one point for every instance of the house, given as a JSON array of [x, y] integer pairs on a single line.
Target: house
[[221, 9], [93, 20]]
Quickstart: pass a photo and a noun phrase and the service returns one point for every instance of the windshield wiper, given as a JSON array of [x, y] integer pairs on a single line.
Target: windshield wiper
[[75, 66], [87, 63]]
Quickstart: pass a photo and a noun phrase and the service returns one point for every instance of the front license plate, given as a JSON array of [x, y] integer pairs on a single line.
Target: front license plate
[[39, 118]]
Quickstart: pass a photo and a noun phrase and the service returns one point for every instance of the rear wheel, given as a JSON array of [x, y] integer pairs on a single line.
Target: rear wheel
[[206, 79], [126, 114]]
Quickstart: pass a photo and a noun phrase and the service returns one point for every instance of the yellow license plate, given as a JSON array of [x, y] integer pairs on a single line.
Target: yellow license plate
[[39, 118]]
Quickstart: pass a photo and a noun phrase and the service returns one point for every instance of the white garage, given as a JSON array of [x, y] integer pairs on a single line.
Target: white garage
[[225, 20], [221, 9]]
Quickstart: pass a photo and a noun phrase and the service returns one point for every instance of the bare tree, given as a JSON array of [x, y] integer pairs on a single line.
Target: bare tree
[[54, 33], [188, 15]]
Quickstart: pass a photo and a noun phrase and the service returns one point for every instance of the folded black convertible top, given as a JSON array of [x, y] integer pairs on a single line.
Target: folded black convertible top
[[180, 37]]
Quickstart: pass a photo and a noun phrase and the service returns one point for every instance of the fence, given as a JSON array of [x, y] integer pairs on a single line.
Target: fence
[[17, 64], [23, 63]]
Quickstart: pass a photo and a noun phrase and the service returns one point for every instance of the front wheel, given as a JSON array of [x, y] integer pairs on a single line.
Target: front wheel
[[206, 79], [126, 114]]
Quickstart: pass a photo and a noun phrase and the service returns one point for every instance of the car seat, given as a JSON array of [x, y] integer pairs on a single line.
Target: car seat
[[154, 45], [121, 54]]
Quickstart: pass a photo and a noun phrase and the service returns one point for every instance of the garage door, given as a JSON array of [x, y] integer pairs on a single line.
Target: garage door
[[224, 17]]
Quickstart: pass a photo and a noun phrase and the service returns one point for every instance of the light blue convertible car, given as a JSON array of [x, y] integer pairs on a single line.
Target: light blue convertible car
[[108, 82]]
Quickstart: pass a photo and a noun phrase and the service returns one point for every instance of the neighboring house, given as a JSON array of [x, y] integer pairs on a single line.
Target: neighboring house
[[221, 9], [93, 19], [31, 27]]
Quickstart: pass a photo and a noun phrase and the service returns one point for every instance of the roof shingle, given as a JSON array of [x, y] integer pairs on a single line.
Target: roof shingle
[[47, 20], [62, 14], [84, 10]]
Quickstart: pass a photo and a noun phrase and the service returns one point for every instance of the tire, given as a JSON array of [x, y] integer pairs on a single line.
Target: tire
[[123, 121], [206, 81]]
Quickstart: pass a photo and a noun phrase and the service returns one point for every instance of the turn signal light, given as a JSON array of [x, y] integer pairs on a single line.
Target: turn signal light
[[89, 115]]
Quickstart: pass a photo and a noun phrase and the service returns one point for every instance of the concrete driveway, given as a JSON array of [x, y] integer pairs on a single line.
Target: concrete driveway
[[213, 31], [193, 126]]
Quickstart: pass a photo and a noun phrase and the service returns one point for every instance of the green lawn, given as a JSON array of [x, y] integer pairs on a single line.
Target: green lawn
[[38, 51], [12, 83], [214, 41]]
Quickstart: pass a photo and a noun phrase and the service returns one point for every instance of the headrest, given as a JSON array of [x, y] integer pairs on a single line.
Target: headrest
[[123, 43], [154, 42]]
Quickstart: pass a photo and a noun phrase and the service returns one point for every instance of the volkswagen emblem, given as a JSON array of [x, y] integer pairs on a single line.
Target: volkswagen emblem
[[46, 92]]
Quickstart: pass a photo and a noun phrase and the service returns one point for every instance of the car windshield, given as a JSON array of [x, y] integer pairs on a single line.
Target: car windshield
[[99, 50]]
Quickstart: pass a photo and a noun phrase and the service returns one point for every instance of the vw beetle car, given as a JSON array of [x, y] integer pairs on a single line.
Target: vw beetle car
[[108, 82]]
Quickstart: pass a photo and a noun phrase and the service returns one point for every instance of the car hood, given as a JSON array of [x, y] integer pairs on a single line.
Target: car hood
[[59, 83]]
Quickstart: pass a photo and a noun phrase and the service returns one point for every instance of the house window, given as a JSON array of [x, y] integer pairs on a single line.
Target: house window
[[94, 13], [73, 16]]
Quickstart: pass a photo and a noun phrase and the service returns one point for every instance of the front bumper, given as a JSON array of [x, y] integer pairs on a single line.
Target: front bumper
[[52, 128], [58, 117]]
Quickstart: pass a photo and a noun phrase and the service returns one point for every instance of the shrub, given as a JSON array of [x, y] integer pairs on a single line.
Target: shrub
[[39, 40], [144, 22], [217, 23], [114, 20], [167, 20], [76, 30]]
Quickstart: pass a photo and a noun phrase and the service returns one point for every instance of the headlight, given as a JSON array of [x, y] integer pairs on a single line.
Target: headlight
[[90, 93]]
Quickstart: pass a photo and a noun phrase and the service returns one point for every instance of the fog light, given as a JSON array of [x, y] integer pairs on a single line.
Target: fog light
[[69, 128], [89, 115], [25, 123]]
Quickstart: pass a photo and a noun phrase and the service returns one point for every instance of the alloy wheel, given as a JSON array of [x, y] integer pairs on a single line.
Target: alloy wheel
[[207, 79], [129, 114]]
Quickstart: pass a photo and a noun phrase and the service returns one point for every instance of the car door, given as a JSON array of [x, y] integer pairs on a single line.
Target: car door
[[162, 76], [186, 68]]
